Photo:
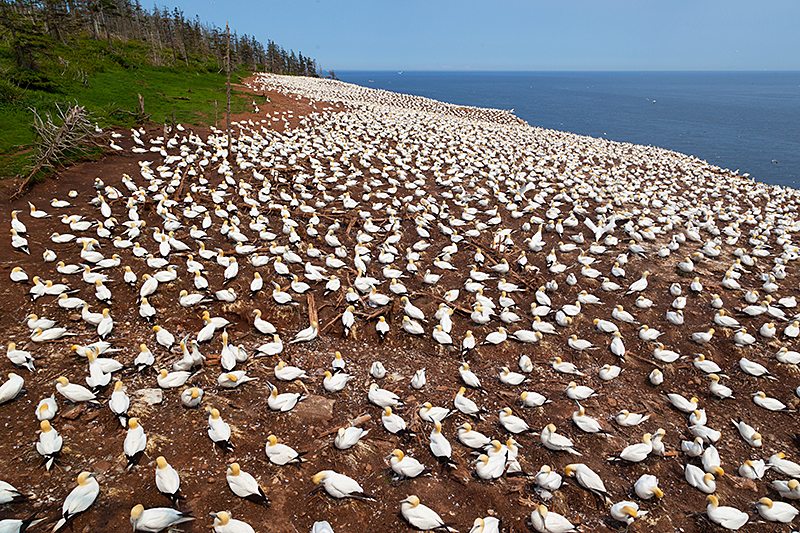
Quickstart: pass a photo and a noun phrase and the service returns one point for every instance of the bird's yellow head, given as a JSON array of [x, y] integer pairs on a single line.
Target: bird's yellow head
[[319, 477], [630, 511], [45, 426], [234, 469], [83, 477], [222, 517], [272, 440], [63, 381], [413, 501], [136, 512]]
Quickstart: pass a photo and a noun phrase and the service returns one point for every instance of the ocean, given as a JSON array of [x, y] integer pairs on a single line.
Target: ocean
[[748, 121]]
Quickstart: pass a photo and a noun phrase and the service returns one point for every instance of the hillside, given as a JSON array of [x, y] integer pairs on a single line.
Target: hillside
[[69, 53]]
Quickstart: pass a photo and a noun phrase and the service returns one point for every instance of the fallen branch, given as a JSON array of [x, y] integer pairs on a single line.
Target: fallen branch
[[56, 140]]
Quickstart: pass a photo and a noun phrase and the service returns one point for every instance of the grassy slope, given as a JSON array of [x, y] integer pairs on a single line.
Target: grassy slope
[[107, 84]]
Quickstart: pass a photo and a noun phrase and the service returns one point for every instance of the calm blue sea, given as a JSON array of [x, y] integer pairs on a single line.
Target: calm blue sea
[[737, 120]]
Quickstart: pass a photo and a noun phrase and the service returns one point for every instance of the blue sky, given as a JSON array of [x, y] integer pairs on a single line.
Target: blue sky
[[521, 35]]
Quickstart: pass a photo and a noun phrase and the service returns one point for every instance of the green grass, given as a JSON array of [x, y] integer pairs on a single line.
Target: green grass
[[107, 84]]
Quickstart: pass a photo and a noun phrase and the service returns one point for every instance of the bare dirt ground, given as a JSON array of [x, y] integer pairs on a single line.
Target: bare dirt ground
[[93, 438]]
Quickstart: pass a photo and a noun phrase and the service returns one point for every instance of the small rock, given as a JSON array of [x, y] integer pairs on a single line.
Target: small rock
[[102, 465], [368, 468], [744, 483], [315, 409], [211, 480], [150, 396], [612, 402], [73, 412]]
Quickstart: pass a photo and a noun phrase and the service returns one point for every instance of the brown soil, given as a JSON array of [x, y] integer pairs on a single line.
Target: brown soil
[[93, 437]]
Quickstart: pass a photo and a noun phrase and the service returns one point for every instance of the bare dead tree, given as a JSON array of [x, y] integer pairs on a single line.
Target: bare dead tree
[[228, 73], [69, 131]]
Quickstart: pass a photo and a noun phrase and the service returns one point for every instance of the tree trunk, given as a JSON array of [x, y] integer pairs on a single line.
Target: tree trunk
[[228, 72]]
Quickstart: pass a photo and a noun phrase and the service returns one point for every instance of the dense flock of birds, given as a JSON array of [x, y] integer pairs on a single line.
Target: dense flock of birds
[[461, 227]]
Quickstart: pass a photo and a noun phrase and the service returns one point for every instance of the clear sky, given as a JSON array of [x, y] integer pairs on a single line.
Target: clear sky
[[520, 34]]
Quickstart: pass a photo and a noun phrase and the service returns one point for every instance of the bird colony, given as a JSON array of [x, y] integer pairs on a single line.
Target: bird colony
[[389, 313]]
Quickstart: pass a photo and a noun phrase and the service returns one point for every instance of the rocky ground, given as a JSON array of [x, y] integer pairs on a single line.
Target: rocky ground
[[93, 438]]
